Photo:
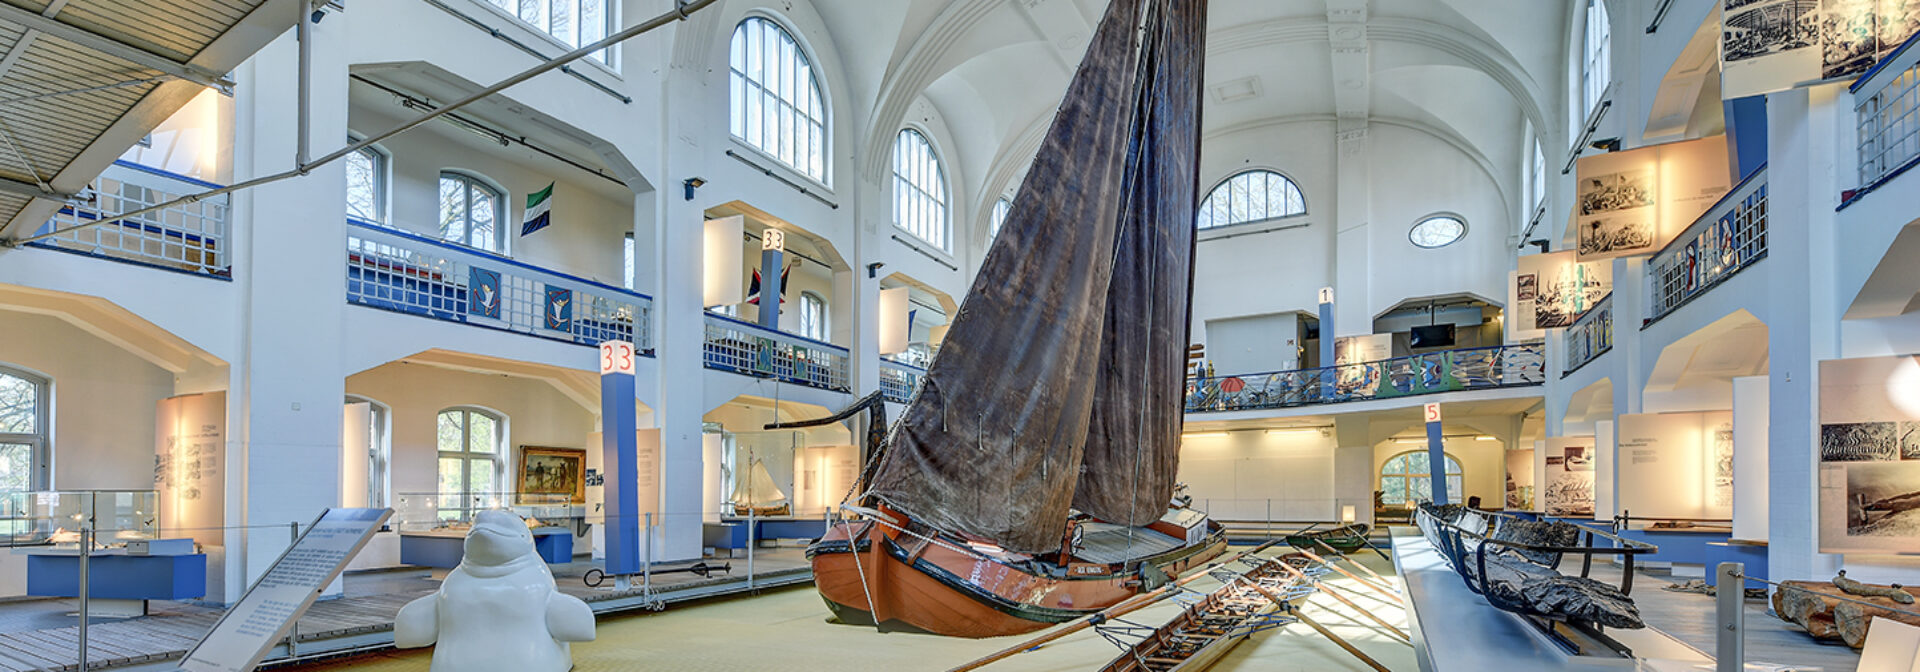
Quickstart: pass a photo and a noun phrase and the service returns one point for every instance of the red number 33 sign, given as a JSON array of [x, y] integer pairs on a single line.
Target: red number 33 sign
[[616, 357]]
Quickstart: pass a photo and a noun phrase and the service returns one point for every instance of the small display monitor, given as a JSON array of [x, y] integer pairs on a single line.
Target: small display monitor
[[1434, 336]]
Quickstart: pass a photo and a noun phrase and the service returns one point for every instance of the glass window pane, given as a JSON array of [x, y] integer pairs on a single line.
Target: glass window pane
[[16, 467], [451, 485], [480, 486], [450, 426], [453, 209], [363, 185], [19, 405], [778, 97], [483, 435], [485, 206]]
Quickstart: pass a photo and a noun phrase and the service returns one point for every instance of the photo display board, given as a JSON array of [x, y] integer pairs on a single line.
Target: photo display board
[[1773, 45], [1569, 487], [1870, 455], [1633, 202], [1677, 465], [1559, 288]]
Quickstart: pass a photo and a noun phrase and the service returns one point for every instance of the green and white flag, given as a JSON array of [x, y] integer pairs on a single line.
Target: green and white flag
[[539, 212]]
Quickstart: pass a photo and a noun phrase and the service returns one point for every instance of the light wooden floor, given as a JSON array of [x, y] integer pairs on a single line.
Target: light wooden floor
[[789, 629], [369, 606]]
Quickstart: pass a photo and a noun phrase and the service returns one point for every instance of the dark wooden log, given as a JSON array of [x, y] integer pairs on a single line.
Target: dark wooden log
[[1813, 605]]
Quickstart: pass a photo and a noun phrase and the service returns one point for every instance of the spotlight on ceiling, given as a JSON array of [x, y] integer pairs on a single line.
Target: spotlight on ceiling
[[1606, 145]]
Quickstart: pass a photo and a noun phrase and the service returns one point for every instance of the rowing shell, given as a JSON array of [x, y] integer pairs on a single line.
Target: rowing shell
[[1212, 626]]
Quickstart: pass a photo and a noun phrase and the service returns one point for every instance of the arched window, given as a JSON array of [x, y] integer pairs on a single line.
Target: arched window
[[1406, 478], [919, 189], [1251, 196], [367, 185], [1000, 209], [470, 441], [25, 413], [472, 212], [1437, 231], [813, 316], [575, 23], [776, 104], [1536, 180], [1596, 69]]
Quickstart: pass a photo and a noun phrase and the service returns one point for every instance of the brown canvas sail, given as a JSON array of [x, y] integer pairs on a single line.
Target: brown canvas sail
[[991, 444], [1133, 443]]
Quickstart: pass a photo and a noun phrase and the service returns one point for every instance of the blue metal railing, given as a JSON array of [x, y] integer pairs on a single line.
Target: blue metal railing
[[1590, 336], [190, 237], [1727, 238], [1445, 371], [742, 347], [405, 272], [899, 380]]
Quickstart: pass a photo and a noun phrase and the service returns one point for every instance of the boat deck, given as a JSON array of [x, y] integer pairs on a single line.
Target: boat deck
[[1110, 544]]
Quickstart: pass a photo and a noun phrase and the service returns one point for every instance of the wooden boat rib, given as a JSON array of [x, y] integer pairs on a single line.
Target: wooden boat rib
[[1212, 625], [1028, 482]]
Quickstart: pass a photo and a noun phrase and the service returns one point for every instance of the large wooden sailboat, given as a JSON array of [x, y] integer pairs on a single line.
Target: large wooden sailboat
[[1031, 479]]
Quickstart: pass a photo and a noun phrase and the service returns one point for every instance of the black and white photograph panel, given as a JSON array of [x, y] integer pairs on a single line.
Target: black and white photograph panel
[[1858, 442], [1600, 235], [1908, 438], [1849, 37], [1612, 192], [1882, 499], [1765, 28]]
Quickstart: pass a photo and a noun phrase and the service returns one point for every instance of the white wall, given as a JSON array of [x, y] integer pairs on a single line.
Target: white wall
[[103, 402], [1239, 475]]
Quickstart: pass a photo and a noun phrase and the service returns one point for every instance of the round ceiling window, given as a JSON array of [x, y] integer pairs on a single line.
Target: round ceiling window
[[1437, 231]]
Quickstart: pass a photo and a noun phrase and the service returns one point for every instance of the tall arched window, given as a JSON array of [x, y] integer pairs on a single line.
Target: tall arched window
[[1596, 69], [1251, 196], [25, 413], [1407, 478], [470, 441], [1536, 181], [776, 104], [575, 23], [1000, 210], [367, 184], [472, 213], [919, 189], [813, 316]]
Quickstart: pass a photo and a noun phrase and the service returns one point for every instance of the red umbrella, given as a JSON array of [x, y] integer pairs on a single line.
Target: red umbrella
[[1232, 385]]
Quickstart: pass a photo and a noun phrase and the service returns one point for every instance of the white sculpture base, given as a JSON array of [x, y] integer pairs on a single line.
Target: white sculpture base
[[498, 611]]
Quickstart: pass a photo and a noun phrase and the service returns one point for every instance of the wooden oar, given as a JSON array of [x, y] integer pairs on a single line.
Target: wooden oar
[[1323, 562], [1356, 563], [1328, 588], [1125, 607], [1324, 632]]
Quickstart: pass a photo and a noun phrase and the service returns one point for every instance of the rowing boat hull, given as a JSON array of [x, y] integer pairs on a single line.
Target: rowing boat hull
[[871, 574]]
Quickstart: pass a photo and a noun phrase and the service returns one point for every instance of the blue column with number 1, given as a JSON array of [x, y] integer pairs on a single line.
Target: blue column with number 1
[[619, 456]]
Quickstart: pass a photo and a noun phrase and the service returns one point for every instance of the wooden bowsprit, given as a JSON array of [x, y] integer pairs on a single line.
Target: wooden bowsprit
[[1125, 607]]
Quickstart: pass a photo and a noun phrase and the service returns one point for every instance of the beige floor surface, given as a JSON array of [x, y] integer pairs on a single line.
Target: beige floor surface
[[790, 630]]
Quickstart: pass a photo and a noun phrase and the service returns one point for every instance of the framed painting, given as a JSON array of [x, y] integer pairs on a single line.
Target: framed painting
[[552, 471]]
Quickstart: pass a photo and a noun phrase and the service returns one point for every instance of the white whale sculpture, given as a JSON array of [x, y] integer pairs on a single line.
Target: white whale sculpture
[[498, 611]]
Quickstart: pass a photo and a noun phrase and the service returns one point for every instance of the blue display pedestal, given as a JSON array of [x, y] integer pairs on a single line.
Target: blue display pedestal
[[443, 550], [554, 545], [121, 583]]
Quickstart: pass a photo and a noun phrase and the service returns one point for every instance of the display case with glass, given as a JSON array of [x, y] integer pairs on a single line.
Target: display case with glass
[[426, 511], [116, 516]]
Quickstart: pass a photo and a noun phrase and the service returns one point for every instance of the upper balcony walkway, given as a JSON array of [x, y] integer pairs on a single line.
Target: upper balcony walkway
[[1505, 366]]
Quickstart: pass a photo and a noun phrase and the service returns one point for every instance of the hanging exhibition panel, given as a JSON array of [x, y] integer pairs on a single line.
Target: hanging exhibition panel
[[189, 468], [1772, 45], [1633, 202], [1870, 455], [1520, 480], [1676, 465], [1559, 288], [1569, 488]]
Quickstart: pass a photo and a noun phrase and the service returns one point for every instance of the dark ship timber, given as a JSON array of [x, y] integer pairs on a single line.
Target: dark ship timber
[[1345, 539], [1029, 481]]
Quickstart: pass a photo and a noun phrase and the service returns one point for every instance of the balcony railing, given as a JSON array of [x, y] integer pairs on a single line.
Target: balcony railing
[[750, 349], [1887, 106], [408, 273], [190, 237], [899, 380], [1590, 336], [1727, 238], [1434, 372]]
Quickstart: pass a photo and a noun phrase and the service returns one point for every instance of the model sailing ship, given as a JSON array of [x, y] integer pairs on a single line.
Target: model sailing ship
[[757, 495], [1029, 482]]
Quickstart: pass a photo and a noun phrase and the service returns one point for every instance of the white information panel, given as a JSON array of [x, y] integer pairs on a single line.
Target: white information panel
[[261, 618]]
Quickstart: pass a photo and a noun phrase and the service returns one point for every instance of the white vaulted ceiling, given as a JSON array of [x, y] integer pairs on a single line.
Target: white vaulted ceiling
[[1471, 72]]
